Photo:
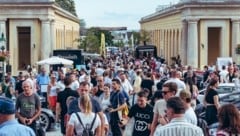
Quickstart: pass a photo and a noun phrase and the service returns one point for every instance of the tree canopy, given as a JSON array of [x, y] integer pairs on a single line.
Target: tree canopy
[[68, 5]]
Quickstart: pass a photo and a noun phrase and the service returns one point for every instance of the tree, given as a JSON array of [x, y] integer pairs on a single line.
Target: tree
[[68, 5], [144, 36]]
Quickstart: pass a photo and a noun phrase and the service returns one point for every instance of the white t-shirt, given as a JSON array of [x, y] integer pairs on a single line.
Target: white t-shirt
[[53, 91], [160, 107], [60, 85], [190, 116], [86, 120], [74, 85]]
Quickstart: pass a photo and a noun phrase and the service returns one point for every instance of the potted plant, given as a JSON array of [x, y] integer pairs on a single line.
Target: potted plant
[[4, 55]]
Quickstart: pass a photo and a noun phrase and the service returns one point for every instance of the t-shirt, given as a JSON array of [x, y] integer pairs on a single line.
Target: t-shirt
[[147, 83], [19, 86], [86, 120], [143, 117], [160, 107], [190, 116], [209, 97], [117, 97], [62, 97], [28, 105], [73, 106]]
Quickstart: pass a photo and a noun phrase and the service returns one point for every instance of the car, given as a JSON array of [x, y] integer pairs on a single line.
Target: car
[[223, 89]]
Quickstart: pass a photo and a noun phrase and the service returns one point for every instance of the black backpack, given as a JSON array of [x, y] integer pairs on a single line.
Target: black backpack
[[87, 131]]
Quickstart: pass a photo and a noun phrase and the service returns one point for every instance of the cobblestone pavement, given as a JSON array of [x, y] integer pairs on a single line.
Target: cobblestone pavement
[[54, 133]]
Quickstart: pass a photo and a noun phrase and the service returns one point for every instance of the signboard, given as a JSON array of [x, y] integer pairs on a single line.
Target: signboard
[[74, 55], [223, 61]]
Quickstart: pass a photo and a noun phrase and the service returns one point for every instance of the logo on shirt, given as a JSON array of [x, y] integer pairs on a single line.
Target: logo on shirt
[[141, 125]]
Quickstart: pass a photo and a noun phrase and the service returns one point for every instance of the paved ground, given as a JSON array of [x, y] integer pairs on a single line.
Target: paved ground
[[54, 133]]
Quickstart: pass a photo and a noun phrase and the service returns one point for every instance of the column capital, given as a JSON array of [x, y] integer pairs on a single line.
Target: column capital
[[3, 19], [235, 20]]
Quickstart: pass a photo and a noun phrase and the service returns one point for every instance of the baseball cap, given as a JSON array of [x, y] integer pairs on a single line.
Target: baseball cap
[[7, 106]]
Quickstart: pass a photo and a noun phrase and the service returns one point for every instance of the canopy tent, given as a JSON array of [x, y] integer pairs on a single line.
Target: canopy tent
[[54, 61]]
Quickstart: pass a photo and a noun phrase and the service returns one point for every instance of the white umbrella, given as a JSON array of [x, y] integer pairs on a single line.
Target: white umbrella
[[55, 60]]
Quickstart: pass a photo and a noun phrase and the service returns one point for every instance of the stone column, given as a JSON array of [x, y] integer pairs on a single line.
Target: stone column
[[235, 39], [46, 39], [192, 45], [169, 47], [53, 36], [184, 37], [175, 43]]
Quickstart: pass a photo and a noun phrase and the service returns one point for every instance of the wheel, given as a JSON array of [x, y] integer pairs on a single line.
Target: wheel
[[45, 121]]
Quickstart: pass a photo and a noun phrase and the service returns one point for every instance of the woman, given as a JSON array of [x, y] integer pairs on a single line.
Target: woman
[[229, 121], [211, 101], [52, 93], [105, 100], [190, 87], [86, 119]]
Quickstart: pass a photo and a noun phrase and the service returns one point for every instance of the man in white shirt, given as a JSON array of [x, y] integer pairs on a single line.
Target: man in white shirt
[[223, 74], [180, 84], [75, 84], [189, 115], [177, 126]]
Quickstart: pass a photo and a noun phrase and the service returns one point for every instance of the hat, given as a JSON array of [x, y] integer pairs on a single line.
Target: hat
[[7, 106]]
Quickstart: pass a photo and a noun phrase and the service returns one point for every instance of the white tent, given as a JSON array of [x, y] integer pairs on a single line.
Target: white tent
[[55, 60]]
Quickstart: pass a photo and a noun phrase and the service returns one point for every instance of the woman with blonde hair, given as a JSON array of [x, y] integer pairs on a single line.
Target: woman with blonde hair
[[85, 120], [229, 120]]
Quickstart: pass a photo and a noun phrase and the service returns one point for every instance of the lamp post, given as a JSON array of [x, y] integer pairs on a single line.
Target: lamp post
[[2, 41]]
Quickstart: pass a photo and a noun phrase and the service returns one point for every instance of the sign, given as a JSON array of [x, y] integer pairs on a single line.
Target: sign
[[223, 61], [74, 55]]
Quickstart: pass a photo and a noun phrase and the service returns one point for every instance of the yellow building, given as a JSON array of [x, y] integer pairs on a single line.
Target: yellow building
[[34, 28], [199, 31]]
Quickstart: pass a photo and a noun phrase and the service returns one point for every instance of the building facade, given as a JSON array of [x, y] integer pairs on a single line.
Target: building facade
[[33, 29], [199, 31]]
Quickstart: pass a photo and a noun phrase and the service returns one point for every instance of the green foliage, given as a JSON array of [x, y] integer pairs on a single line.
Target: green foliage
[[119, 43], [68, 5]]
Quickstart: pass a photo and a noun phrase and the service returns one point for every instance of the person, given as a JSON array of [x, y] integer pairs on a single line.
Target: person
[[229, 120], [84, 89], [105, 100], [52, 93], [61, 106], [74, 82], [85, 119], [118, 103], [192, 88], [168, 90], [148, 83], [8, 124], [177, 126], [211, 101], [28, 106], [189, 115], [143, 115]]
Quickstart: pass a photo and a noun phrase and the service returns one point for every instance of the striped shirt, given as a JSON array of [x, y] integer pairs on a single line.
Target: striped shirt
[[178, 127]]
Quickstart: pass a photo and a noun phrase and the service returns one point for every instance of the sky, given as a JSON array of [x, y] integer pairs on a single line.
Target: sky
[[117, 13]]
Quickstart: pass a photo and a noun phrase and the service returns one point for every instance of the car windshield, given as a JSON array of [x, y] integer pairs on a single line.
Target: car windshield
[[225, 89]]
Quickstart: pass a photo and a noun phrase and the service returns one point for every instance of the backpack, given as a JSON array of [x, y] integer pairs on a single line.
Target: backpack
[[87, 131]]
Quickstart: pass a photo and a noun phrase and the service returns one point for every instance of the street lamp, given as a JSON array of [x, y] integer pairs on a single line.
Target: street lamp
[[2, 40]]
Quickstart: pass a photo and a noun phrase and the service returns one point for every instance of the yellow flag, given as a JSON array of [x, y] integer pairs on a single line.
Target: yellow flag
[[102, 47]]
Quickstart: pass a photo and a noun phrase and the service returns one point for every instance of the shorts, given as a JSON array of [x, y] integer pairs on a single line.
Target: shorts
[[52, 101]]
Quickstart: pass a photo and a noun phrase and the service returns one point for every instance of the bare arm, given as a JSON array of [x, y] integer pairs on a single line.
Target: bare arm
[[216, 101], [98, 131], [154, 123], [58, 110], [102, 123], [69, 130]]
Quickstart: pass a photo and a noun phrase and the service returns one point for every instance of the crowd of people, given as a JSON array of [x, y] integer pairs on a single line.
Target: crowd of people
[[122, 96]]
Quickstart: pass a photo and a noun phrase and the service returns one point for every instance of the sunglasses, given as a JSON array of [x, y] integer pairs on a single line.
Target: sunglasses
[[165, 92]]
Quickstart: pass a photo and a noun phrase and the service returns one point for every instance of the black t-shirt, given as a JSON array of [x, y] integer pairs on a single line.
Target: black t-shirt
[[147, 83], [19, 86], [62, 97], [209, 97], [99, 92], [143, 117]]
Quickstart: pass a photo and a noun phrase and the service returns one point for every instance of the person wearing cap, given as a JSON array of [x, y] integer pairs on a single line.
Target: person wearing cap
[[9, 126], [189, 115], [178, 126], [28, 106]]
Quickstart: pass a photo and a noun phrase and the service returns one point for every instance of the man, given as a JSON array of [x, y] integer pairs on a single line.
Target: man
[[18, 88], [189, 115], [84, 89], [28, 106], [169, 90], [223, 74], [177, 126], [75, 84], [143, 115], [61, 106], [8, 124], [42, 79], [180, 84], [118, 102], [100, 86]]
